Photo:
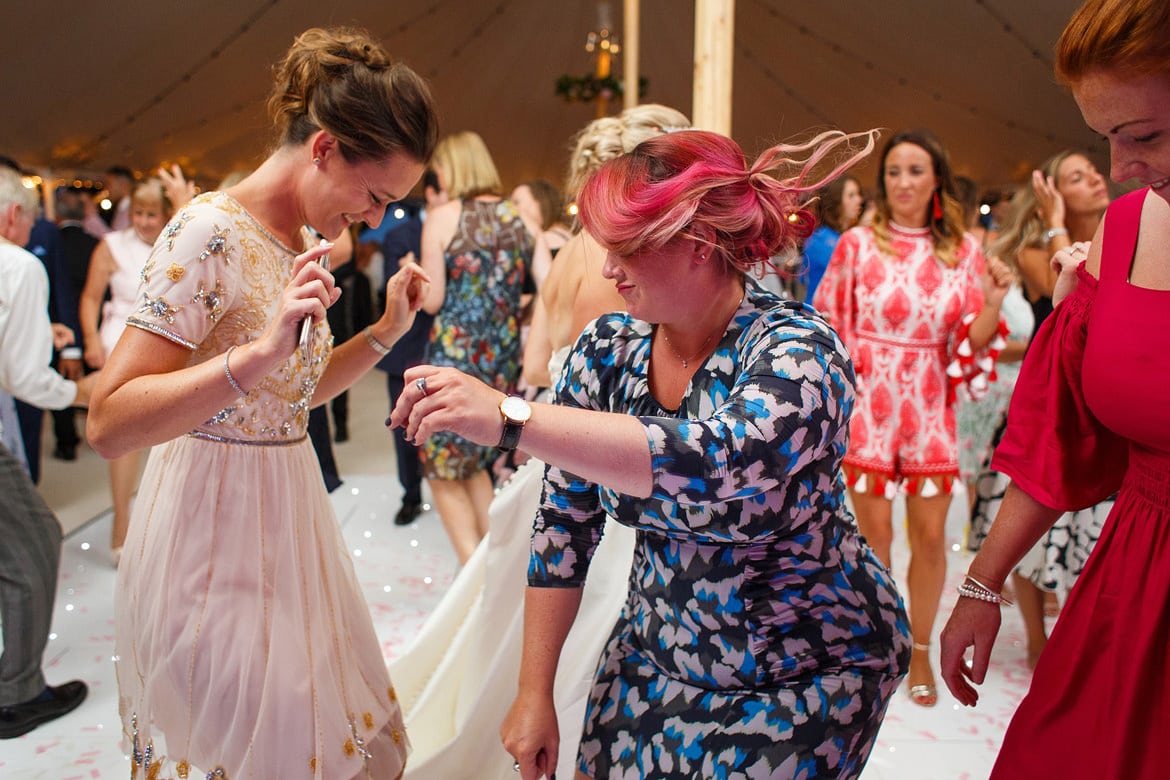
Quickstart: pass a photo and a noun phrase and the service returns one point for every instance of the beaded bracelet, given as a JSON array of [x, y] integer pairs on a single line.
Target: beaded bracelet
[[227, 371], [376, 345], [977, 590]]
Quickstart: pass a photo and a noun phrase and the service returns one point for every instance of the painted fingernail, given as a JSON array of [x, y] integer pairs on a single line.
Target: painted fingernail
[[387, 423]]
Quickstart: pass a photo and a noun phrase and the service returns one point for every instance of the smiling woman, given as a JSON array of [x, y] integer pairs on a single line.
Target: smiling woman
[[1100, 701], [244, 645]]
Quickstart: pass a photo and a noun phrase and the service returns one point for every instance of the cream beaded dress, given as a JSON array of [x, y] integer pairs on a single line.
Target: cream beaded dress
[[244, 645]]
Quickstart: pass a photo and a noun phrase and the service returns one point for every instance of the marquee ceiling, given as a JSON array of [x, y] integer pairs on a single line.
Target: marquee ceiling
[[88, 85]]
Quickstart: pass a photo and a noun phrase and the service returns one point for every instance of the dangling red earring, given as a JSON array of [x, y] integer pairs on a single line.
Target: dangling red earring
[[938, 212]]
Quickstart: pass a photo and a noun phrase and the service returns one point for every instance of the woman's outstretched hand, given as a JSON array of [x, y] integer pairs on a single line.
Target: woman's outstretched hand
[[446, 399]]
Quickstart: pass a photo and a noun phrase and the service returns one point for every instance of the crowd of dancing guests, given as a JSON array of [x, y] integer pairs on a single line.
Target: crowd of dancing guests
[[692, 573]]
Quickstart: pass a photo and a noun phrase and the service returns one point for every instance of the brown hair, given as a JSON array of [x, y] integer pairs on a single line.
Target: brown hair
[[550, 200], [946, 233], [342, 81], [1130, 35], [831, 201]]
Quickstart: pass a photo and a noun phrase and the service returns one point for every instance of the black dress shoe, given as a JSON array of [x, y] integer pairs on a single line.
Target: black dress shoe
[[408, 514], [18, 719], [65, 452]]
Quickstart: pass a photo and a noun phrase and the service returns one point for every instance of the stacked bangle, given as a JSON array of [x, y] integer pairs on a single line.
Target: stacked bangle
[[227, 371], [376, 345], [974, 589]]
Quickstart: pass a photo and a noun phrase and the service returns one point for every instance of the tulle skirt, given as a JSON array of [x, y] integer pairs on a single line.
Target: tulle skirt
[[243, 640]]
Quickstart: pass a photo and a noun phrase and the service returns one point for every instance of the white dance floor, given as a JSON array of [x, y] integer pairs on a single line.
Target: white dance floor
[[404, 572]]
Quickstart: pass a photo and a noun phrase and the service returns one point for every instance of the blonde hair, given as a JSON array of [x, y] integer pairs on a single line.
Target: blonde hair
[[1024, 227], [341, 81], [151, 192], [467, 166], [606, 138]]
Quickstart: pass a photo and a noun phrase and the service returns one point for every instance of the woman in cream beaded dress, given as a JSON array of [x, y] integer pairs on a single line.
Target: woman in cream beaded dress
[[244, 646], [458, 678]]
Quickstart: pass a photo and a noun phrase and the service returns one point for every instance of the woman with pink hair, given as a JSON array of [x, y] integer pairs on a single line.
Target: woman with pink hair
[[761, 636]]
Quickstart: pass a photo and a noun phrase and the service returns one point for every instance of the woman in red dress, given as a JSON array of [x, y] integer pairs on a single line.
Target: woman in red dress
[[1099, 705]]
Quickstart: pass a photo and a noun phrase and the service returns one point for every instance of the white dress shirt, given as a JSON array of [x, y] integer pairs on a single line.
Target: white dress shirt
[[26, 337]]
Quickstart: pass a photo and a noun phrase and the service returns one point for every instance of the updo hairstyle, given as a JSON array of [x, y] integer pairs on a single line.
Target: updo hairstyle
[[697, 184], [608, 137], [341, 81]]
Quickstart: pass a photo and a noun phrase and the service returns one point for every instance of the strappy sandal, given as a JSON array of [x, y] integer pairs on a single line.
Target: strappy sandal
[[925, 695]]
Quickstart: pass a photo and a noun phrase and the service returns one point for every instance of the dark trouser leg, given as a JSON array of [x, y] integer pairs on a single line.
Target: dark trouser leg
[[29, 557], [32, 420], [340, 407], [409, 468], [65, 428], [323, 446]]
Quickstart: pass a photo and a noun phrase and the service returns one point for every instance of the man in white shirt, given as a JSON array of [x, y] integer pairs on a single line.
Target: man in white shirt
[[31, 549]]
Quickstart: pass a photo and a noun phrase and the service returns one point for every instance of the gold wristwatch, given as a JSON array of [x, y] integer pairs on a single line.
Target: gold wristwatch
[[515, 411]]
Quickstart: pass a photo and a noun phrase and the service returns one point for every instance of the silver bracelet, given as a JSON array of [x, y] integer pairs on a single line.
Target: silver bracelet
[[227, 371], [1051, 234], [375, 345]]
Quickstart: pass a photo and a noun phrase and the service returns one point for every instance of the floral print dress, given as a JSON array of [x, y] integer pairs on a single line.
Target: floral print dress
[[478, 328], [760, 637]]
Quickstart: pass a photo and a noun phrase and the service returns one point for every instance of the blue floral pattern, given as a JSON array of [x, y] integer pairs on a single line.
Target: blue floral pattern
[[761, 637]]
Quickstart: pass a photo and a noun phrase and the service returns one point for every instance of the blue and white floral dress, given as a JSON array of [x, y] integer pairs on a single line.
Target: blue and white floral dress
[[761, 637]]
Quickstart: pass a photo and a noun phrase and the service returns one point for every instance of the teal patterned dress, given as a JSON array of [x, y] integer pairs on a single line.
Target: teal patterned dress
[[477, 330]]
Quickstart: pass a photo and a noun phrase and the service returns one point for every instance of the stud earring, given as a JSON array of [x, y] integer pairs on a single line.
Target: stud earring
[[316, 161]]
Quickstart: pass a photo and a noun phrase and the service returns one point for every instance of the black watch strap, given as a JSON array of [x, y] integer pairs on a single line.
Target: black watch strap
[[510, 438]]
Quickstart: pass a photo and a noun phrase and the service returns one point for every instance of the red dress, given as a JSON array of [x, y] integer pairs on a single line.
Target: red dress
[[1090, 416]]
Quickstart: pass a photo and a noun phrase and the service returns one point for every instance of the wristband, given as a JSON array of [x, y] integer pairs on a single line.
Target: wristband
[[71, 353]]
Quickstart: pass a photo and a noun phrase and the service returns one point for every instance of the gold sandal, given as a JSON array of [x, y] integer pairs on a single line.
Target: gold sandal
[[925, 695]]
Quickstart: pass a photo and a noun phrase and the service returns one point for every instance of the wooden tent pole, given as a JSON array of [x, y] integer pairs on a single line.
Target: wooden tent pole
[[714, 54], [631, 34]]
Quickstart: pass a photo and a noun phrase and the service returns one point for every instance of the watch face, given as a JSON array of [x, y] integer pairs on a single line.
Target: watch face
[[516, 409]]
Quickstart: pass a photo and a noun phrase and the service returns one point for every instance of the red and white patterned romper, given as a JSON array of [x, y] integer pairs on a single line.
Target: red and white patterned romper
[[904, 318]]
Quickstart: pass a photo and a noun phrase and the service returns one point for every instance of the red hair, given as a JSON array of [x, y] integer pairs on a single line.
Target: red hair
[[697, 184], [1129, 35]]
